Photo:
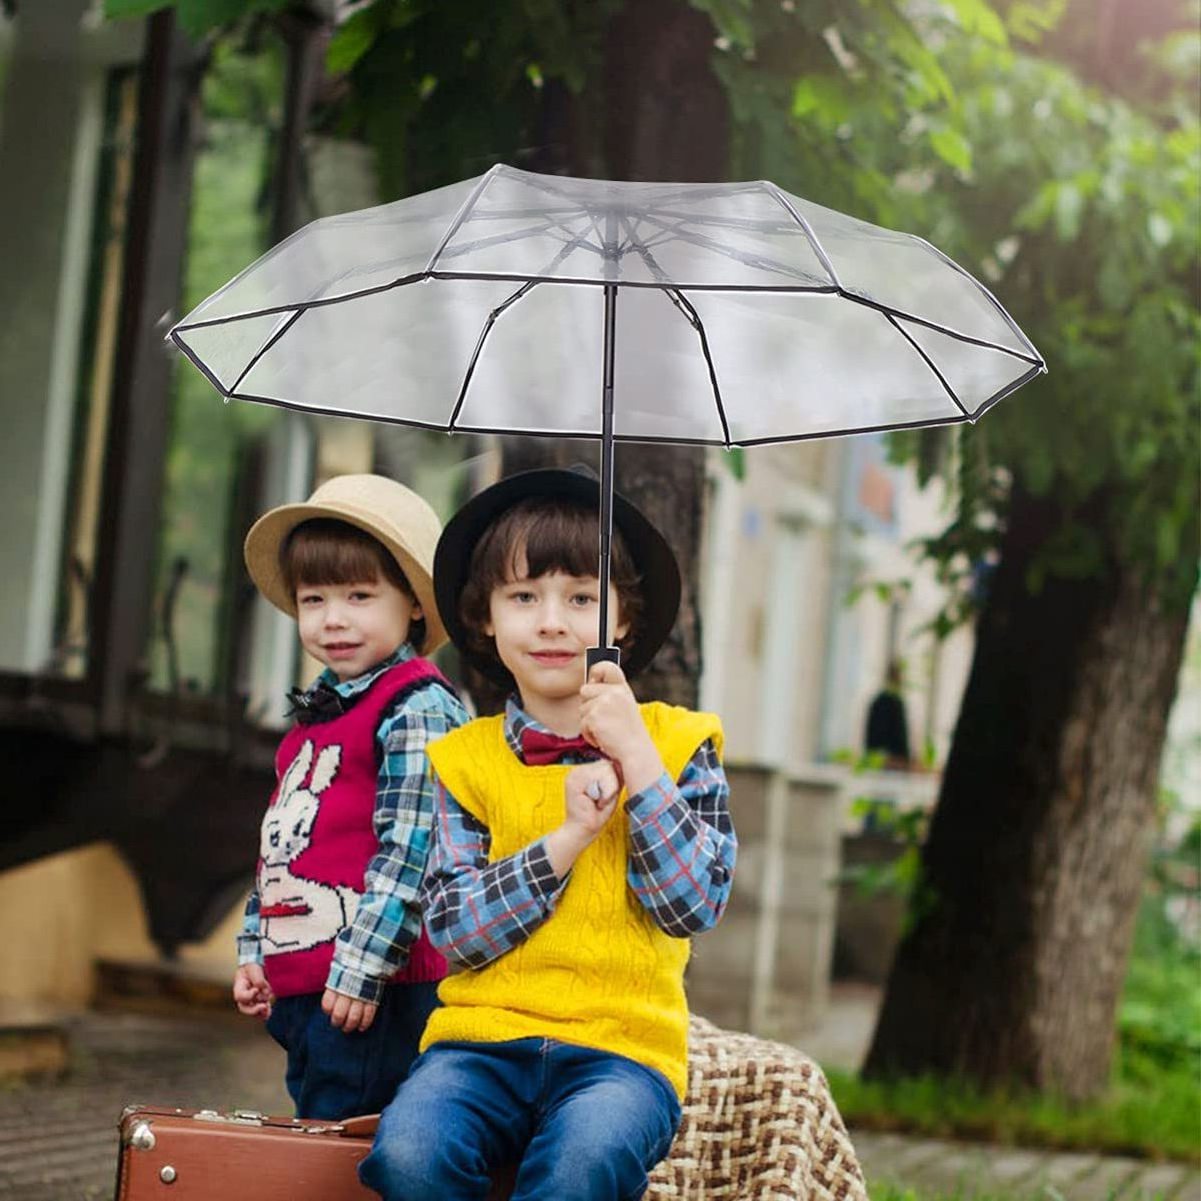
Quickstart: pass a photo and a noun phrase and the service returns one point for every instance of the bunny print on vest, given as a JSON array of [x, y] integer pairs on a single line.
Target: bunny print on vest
[[318, 837], [296, 912]]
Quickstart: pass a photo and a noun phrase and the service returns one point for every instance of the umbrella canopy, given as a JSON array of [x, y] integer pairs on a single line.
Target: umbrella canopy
[[747, 315]]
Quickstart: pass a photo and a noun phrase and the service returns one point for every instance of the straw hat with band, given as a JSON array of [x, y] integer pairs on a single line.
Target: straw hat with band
[[391, 513], [653, 560]]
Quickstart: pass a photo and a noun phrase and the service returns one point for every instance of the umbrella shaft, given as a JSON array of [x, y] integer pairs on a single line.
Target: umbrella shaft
[[606, 488]]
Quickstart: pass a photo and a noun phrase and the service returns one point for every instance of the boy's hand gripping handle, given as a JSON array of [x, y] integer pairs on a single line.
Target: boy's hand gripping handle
[[601, 654]]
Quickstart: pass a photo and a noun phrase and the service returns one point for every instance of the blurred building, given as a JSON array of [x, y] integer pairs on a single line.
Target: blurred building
[[141, 679]]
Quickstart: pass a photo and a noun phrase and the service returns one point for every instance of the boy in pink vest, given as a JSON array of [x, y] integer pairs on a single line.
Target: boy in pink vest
[[332, 953]]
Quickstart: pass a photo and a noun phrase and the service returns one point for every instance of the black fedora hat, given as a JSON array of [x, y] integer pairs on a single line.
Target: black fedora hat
[[653, 560]]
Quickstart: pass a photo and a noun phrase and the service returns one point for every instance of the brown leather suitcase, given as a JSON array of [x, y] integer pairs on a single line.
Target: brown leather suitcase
[[203, 1155]]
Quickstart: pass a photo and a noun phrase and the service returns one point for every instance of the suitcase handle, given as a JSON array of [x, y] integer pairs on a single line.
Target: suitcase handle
[[363, 1126], [360, 1127]]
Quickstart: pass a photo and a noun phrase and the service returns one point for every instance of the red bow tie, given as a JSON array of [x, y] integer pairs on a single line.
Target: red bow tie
[[539, 748]]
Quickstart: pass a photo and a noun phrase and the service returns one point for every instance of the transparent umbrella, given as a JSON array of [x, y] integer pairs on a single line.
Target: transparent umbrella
[[728, 314]]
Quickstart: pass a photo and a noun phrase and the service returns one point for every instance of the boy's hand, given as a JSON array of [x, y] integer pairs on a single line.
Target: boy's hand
[[252, 993], [348, 1013], [590, 796], [610, 720]]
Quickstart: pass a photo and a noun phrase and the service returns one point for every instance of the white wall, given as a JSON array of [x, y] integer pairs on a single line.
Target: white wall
[[789, 665]]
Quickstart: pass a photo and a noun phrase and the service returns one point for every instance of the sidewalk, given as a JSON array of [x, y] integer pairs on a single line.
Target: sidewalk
[[932, 1167], [58, 1141]]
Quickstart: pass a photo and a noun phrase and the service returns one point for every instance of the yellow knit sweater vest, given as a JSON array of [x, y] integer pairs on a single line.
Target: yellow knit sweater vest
[[598, 972]]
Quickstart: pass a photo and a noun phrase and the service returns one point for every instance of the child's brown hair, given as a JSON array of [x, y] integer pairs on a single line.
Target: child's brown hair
[[554, 535], [324, 550]]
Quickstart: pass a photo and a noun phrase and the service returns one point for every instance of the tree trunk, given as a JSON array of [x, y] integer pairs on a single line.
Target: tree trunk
[[1037, 851], [665, 116]]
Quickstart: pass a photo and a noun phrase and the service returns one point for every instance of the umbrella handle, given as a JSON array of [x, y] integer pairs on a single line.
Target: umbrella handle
[[601, 654]]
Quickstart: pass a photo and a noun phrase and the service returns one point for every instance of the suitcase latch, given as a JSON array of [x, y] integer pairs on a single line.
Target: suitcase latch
[[141, 1137], [244, 1117]]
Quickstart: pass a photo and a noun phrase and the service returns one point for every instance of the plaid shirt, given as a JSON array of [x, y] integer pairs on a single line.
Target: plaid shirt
[[375, 944], [681, 862]]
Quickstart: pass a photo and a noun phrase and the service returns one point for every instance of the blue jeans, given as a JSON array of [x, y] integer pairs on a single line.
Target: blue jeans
[[332, 1075], [586, 1125]]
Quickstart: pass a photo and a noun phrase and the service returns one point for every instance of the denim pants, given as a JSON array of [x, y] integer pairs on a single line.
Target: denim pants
[[586, 1125], [332, 1075]]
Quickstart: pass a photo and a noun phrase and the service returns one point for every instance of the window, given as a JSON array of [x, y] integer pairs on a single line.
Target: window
[[217, 454]]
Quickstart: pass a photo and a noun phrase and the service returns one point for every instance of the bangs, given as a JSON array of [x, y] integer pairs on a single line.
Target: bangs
[[552, 536], [326, 551], [561, 539]]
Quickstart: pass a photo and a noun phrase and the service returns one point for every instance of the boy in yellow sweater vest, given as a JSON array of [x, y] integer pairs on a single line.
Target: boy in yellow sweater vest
[[580, 839]]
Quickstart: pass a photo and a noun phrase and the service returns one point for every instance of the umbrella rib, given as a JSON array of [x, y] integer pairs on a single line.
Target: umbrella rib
[[928, 361], [690, 315], [479, 346], [581, 281], [577, 241], [266, 346], [759, 262], [199, 363], [547, 226], [1010, 387], [668, 193], [493, 240], [584, 281], [818, 250], [950, 262], [886, 428], [686, 307], [889, 311], [647, 439], [461, 215], [745, 224], [644, 251], [512, 214]]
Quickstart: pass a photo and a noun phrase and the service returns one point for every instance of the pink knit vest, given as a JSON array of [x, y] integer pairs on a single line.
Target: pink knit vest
[[318, 838]]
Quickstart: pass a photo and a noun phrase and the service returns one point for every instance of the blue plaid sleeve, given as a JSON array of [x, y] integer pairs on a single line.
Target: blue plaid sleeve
[[475, 911], [683, 846], [376, 943], [250, 945]]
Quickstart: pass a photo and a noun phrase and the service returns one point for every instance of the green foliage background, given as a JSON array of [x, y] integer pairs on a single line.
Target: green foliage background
[[975, 124]]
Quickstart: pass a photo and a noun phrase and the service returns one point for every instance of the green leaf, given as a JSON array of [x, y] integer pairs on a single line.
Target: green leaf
[[353, 38], [198, 17], [953, 148], [1030, 19], [976, 17], [119, 10], [731, 19], [825, 96]]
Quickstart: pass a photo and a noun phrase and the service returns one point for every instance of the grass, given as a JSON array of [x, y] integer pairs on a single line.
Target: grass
[[1159, 1122], [1152, 1107]]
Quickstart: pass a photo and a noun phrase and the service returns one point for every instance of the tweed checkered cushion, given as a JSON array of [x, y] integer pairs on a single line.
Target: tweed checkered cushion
[[759, 1124]]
